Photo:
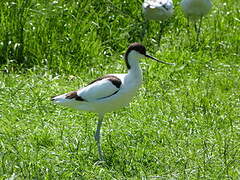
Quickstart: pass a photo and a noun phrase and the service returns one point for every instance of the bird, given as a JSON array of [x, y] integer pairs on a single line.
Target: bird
[[158, 10], [110, 92], [194, 10]]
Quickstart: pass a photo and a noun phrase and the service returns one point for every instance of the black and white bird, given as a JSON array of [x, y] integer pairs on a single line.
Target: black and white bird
[[110, 92], [157, 10], [194, 10]]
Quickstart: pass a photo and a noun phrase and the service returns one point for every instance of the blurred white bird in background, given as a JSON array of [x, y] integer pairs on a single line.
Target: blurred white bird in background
[[158, 10], [194, 10]]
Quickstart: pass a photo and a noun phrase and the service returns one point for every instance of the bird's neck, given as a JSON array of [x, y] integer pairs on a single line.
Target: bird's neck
[[135, 71]]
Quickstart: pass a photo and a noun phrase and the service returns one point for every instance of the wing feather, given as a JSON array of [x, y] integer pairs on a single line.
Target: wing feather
[[100, 88]]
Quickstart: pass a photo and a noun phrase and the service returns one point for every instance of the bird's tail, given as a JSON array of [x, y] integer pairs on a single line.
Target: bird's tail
[[68, 99], [60, 99]]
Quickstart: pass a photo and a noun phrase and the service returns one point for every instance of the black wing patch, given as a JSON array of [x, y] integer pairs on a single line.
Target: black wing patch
[[73, 95], [113, 79]]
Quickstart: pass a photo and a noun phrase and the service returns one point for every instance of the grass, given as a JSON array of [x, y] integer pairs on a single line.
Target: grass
[[183, 124]]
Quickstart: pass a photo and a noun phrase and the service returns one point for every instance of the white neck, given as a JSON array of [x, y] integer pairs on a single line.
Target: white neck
[[135, 71]]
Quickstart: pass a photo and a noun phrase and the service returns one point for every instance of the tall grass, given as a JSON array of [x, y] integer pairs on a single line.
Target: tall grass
[[58, 33], [65, 34], [183, 124]]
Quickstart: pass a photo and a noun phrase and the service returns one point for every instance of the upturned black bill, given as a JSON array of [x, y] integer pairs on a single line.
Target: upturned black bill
[[155, 59]]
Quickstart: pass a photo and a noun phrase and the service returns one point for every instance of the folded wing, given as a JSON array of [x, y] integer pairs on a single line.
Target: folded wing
[[100, 88]]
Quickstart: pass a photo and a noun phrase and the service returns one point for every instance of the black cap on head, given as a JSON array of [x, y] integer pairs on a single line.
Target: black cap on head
[[137, 47], [142, 50]]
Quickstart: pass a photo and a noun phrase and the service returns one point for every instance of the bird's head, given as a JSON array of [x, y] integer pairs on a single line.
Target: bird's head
[[137, 51]]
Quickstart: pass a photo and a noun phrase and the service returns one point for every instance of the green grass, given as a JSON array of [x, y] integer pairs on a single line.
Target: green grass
[[183, 124]]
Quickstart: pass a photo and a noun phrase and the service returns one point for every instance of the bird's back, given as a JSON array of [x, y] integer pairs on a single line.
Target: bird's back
[[195, 9], [102, 95], [157, 9]]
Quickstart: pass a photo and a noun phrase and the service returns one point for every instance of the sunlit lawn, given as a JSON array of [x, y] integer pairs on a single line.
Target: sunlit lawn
[[182, 124]]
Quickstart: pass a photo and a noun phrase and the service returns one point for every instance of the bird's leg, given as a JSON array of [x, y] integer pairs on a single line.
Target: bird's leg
[[97, 136], [195, 27], [188, 30], [162, 26], [199, 28], [188, 26], [145, 28]]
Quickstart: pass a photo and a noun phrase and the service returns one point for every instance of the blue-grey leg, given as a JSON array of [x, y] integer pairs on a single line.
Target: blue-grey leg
[[195, 27], [162, 24], [98, 136], [199, 28], [144, 29], [188, 30]]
